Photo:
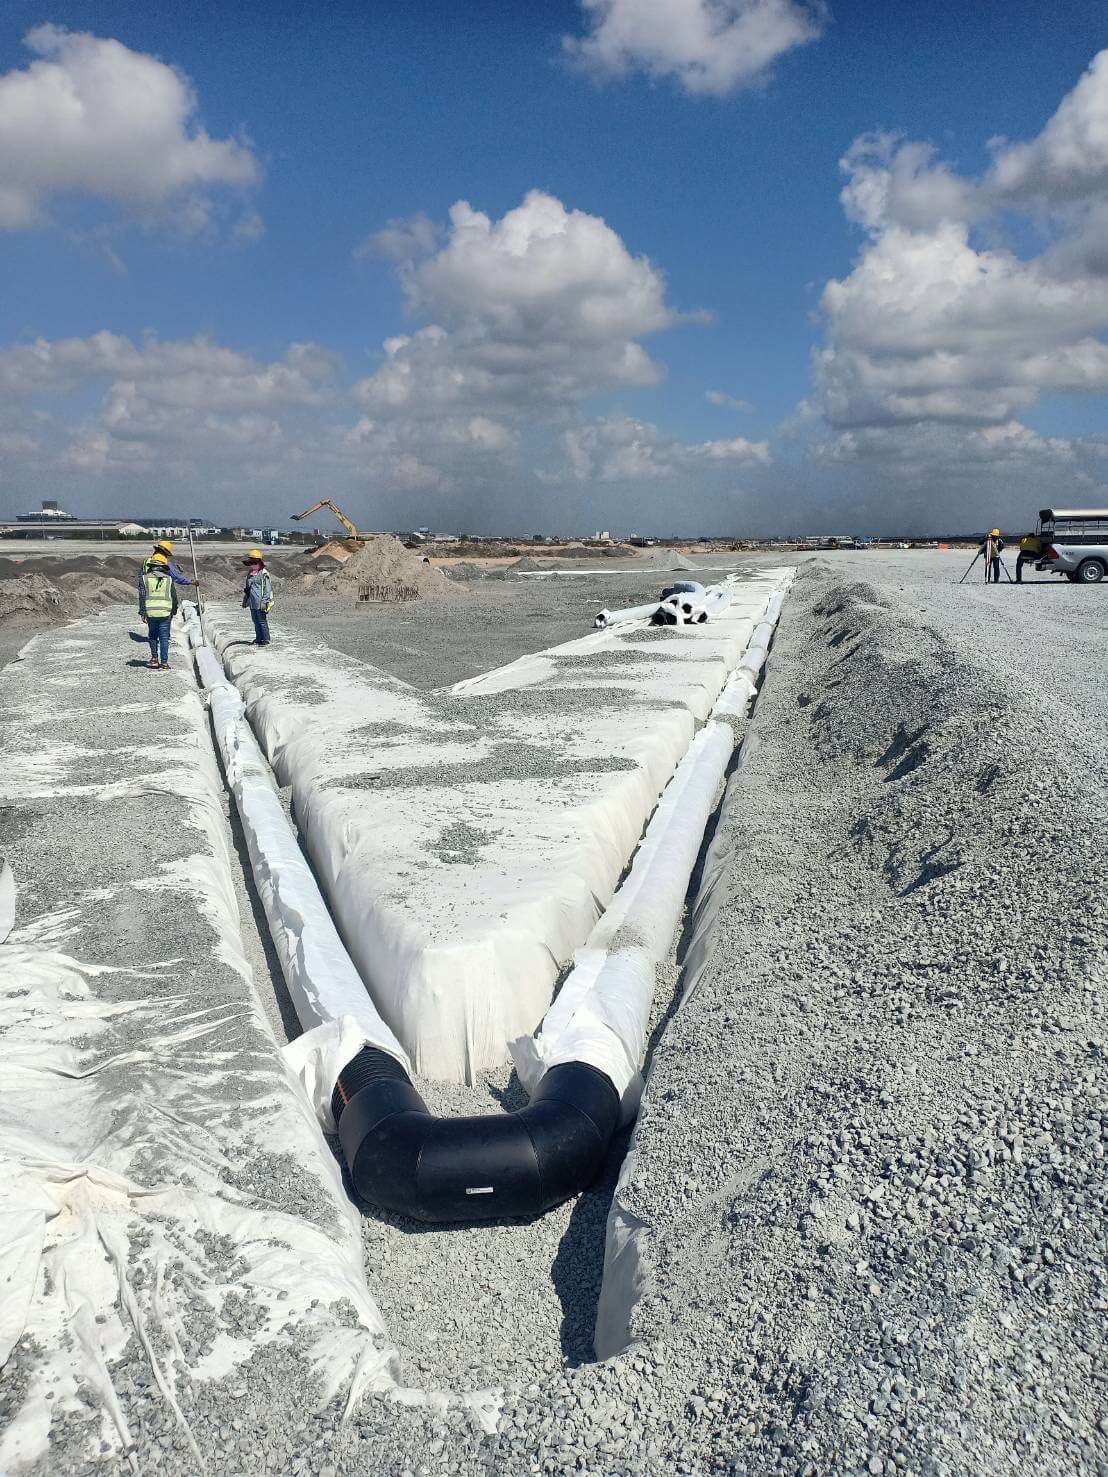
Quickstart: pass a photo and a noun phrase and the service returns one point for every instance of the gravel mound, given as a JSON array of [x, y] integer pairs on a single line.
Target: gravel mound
[[382, 564], [871, 1159], [30, 594], [665, 559]]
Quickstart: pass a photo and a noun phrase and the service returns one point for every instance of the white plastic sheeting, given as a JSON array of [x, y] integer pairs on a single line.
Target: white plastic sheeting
[[323, 983], [468, 840], [125, 1152]]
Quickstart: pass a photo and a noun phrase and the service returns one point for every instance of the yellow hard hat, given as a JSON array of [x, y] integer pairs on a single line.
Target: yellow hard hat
[[994, 533], [255, 554], [164, 546], [158, 558]]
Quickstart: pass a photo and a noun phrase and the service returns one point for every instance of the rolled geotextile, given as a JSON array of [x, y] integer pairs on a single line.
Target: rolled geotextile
[[606, 618], [322, 981]]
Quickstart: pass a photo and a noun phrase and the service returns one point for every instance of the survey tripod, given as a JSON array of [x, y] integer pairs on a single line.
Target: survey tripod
[[989, 552]]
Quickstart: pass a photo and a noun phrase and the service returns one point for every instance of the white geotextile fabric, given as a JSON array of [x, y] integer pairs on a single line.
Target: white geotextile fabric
[[603, 1008], [626, 1267], [85, 1122], [459, 888], [323, 983]]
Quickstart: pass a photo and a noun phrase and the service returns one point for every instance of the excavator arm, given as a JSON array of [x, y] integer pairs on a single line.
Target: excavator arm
[[325, 502]]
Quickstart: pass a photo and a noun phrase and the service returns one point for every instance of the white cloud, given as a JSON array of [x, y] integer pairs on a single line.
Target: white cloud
[[721, 398], [1069, 158], [620, 448], [538, 309], [401, 240], [915, 453], [91, 117], [194, 373], [934, 327], [708, 46]]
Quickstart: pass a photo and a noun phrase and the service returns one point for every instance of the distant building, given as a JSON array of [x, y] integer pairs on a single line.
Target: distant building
[[48, 513], [177, 527]]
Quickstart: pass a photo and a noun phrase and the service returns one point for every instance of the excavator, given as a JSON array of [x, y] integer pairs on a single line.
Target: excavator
[[338, 548]]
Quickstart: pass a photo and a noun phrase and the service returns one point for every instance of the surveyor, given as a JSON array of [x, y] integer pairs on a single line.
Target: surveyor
[[164, 546], [157, 604], [257, 597], [1031, 551], [992, 546]]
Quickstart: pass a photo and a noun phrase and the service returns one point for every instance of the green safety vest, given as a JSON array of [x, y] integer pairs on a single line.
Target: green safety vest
[[159, 593]]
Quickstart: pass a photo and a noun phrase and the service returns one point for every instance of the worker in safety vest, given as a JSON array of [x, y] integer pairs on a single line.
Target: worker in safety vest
[[164, 550], [992, 546], [157, 602], [1031, 551], [257, 596]]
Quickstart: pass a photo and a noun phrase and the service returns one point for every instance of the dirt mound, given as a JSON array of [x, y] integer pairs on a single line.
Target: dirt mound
[[29, 594], [665, 559], [385, 564]]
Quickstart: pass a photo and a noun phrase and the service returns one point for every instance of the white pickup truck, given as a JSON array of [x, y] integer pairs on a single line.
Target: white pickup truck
[[1075, 543]]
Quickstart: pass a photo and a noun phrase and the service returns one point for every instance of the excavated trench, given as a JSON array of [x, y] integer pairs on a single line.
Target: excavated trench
[[469, 1305]]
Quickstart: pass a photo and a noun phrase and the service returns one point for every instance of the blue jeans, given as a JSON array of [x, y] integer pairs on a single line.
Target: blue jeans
[[157, 631], [261, 626]]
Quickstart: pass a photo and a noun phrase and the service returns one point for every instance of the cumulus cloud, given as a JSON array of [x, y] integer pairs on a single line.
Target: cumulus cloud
[[91, 117], [167, 407], [622, 449], [731, 402], [538, 309], [402, 239], [1069, 158], [935, 328], [708, 47], [195, 373]]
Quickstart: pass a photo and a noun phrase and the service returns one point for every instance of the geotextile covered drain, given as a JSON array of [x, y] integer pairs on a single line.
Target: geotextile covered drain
[[582, 1067]]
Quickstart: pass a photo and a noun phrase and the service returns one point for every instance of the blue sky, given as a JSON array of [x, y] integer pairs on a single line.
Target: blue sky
[[331, 124]]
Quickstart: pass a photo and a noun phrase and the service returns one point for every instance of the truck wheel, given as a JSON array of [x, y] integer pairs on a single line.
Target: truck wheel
[[1090, 572]]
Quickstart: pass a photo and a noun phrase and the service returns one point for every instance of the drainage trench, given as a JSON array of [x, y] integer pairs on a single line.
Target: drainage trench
[[507, 1302]]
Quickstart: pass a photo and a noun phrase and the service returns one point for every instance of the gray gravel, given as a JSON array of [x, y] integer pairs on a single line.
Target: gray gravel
[[433, 643]]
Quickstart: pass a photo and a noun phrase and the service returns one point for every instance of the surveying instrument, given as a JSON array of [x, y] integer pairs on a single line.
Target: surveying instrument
[[988, 551]]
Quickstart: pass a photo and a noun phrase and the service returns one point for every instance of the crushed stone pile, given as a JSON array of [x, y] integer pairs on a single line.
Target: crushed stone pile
[[665, 559], [871, 1160], [29, 595], [382, 564]]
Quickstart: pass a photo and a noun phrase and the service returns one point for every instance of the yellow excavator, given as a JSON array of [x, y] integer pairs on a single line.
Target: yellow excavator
[[338, 548]]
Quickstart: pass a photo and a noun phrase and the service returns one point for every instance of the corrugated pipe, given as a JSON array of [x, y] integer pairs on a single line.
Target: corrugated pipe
[[480, 1168]]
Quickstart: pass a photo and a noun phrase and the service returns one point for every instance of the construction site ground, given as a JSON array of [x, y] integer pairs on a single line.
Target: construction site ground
[[869, 1169]]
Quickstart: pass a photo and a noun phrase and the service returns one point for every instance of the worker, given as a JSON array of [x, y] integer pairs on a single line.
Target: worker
[[163, 552], [992, 546], [257, 597], [163, 546], [157, 602], [1031, 551]]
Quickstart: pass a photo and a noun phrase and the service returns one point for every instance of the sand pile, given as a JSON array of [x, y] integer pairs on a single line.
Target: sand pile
[[29, 594], [385, 564], [665, 559]]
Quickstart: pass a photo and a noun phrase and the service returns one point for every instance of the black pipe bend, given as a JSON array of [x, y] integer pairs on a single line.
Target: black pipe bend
[[402, 1157]]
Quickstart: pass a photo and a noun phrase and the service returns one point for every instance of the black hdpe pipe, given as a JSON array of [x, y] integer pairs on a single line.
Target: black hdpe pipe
[[402, 1157]]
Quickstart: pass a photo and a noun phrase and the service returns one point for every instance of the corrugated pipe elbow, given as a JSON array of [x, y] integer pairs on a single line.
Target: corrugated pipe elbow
[[402, 1157]]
